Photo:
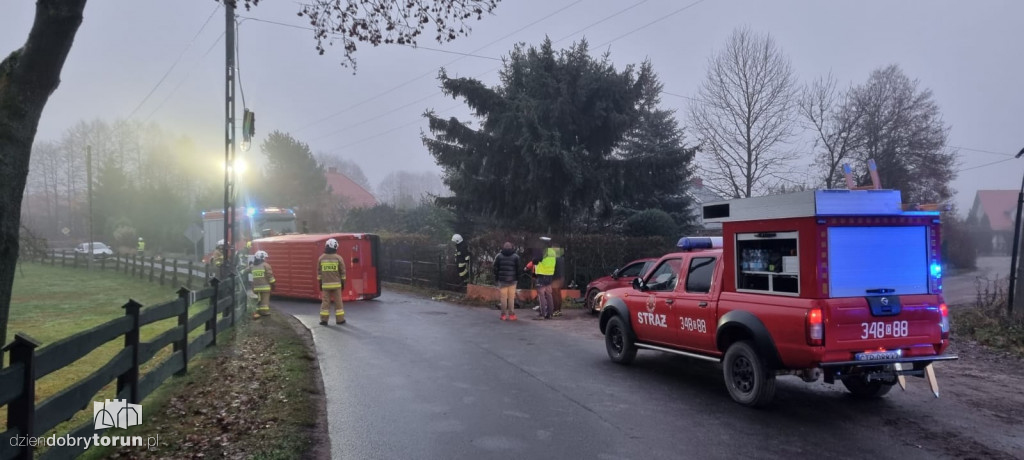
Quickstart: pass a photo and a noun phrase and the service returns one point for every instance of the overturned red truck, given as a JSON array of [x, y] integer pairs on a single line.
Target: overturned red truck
[[294, 258], [834, 284]]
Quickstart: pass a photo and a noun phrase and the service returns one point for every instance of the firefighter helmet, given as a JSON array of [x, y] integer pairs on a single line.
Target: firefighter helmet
[[332, 243], [456, 238], [140, 238], [261, 255], [220, 243]]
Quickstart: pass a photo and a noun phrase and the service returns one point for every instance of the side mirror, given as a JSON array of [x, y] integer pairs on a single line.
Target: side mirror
[[615, 274], [638, 284]]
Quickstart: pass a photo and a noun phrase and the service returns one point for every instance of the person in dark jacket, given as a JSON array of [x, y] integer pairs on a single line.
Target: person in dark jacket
[[506, 275]]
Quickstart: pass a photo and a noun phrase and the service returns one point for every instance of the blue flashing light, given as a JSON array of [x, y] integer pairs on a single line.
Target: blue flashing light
[[250, 211], [689, 243], [936, 270]]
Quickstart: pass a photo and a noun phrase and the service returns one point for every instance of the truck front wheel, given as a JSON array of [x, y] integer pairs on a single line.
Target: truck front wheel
[[618, 342], [749, 382], [860, 387]]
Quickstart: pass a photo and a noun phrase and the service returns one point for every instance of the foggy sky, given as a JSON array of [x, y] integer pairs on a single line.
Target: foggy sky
[[968, 53]]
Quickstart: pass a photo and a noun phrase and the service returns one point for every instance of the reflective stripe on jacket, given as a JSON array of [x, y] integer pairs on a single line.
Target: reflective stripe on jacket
[[330, 271], [262, 277]]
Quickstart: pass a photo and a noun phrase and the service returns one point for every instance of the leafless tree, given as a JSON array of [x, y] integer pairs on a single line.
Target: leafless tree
[[744, 114], [380, 22], [900, 126], [834, 122]]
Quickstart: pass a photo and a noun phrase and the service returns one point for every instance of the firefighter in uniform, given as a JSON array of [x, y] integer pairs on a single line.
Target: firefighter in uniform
[[330, 270], [263, 282], [142, 247], [461, 259], [218, 259]]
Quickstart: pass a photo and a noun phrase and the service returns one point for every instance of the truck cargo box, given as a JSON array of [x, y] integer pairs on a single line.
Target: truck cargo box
[[294, 260]]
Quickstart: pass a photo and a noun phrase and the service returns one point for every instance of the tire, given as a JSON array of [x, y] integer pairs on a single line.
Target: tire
[[589, 302], [861, 388], [619, 342], [748, 380]]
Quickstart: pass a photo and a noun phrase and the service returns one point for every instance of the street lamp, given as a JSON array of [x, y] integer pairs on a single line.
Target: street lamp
[[1016, 243]]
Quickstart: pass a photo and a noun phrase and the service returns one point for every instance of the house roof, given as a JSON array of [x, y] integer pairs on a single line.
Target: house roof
[[352, 194], [999, 206]]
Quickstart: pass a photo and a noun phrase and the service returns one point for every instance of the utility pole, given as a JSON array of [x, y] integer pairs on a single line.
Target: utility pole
[[88, 178], [229, 135], [1015, 271]]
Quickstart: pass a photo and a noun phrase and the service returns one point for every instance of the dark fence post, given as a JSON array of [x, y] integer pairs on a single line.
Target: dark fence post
[[206, 271], [117, 264], [211, 324], [134, 259], [21, 412], [174, 277], [163, 270], [126, 265], [182, 345], [188, 281], [130, 379], [53, 258], [63, 259], [103, 264], [152, 267]]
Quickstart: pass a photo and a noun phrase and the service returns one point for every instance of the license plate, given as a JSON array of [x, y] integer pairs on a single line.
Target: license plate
[[878, 355]]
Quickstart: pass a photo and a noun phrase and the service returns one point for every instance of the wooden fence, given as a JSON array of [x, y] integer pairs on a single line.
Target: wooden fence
[[170, 271], [29, 363]]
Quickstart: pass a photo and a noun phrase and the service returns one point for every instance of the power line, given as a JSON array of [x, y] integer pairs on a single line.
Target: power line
[[293, 26], [434, 72], [389, 131], [601, 21], [981, 151], [680, 10], [176, 61], [984, 165], [495, 41], [185, 78]]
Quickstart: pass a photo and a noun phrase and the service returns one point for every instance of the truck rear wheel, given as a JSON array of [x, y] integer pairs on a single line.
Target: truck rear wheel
[[618, 342], [860, 387], [747, 378]]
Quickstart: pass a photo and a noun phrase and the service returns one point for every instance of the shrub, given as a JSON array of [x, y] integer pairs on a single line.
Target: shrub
[[958, 245], [651, 222]]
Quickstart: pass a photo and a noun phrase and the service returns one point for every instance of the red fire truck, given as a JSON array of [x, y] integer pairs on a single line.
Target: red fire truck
[[842, 285], [294, 258]]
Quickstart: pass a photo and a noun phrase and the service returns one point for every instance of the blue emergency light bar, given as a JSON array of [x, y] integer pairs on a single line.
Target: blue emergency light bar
[[689, 243]]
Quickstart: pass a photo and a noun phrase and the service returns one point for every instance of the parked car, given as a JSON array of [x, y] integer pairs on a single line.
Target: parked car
[[620, 277], [99, 250]]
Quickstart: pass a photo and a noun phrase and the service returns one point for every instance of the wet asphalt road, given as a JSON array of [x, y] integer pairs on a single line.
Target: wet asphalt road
[[411, 378]]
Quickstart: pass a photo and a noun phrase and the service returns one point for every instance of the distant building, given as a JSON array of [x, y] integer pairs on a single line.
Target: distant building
[[991, 220], [352, 195], [700, 195]]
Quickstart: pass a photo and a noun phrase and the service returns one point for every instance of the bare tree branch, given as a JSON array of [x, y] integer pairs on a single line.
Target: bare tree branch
[[743, 112]]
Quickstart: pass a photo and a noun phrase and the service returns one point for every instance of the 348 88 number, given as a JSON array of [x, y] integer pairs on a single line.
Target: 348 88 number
[[882, 329]]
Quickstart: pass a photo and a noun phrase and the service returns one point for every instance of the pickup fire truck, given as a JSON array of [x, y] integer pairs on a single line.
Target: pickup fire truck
[[834, 284]]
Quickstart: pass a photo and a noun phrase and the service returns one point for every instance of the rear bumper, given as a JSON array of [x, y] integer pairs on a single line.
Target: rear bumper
[[906, 360]]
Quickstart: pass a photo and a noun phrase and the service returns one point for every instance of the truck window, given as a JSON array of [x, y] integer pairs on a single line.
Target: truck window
[[698, 277], [664, 277], [767, 262], [864, 259]]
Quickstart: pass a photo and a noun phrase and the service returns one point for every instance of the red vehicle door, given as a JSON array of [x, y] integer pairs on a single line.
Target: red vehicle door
[[696, 303], [653, 319]]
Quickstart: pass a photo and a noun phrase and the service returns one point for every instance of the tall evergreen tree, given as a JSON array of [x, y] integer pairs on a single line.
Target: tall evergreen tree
[[549, 151]]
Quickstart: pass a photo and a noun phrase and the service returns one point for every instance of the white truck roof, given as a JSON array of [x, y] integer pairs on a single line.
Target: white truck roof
[[810, 203]]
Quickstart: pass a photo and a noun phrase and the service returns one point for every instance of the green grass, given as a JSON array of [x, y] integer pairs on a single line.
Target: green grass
[[52, 303], [249, 397]]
